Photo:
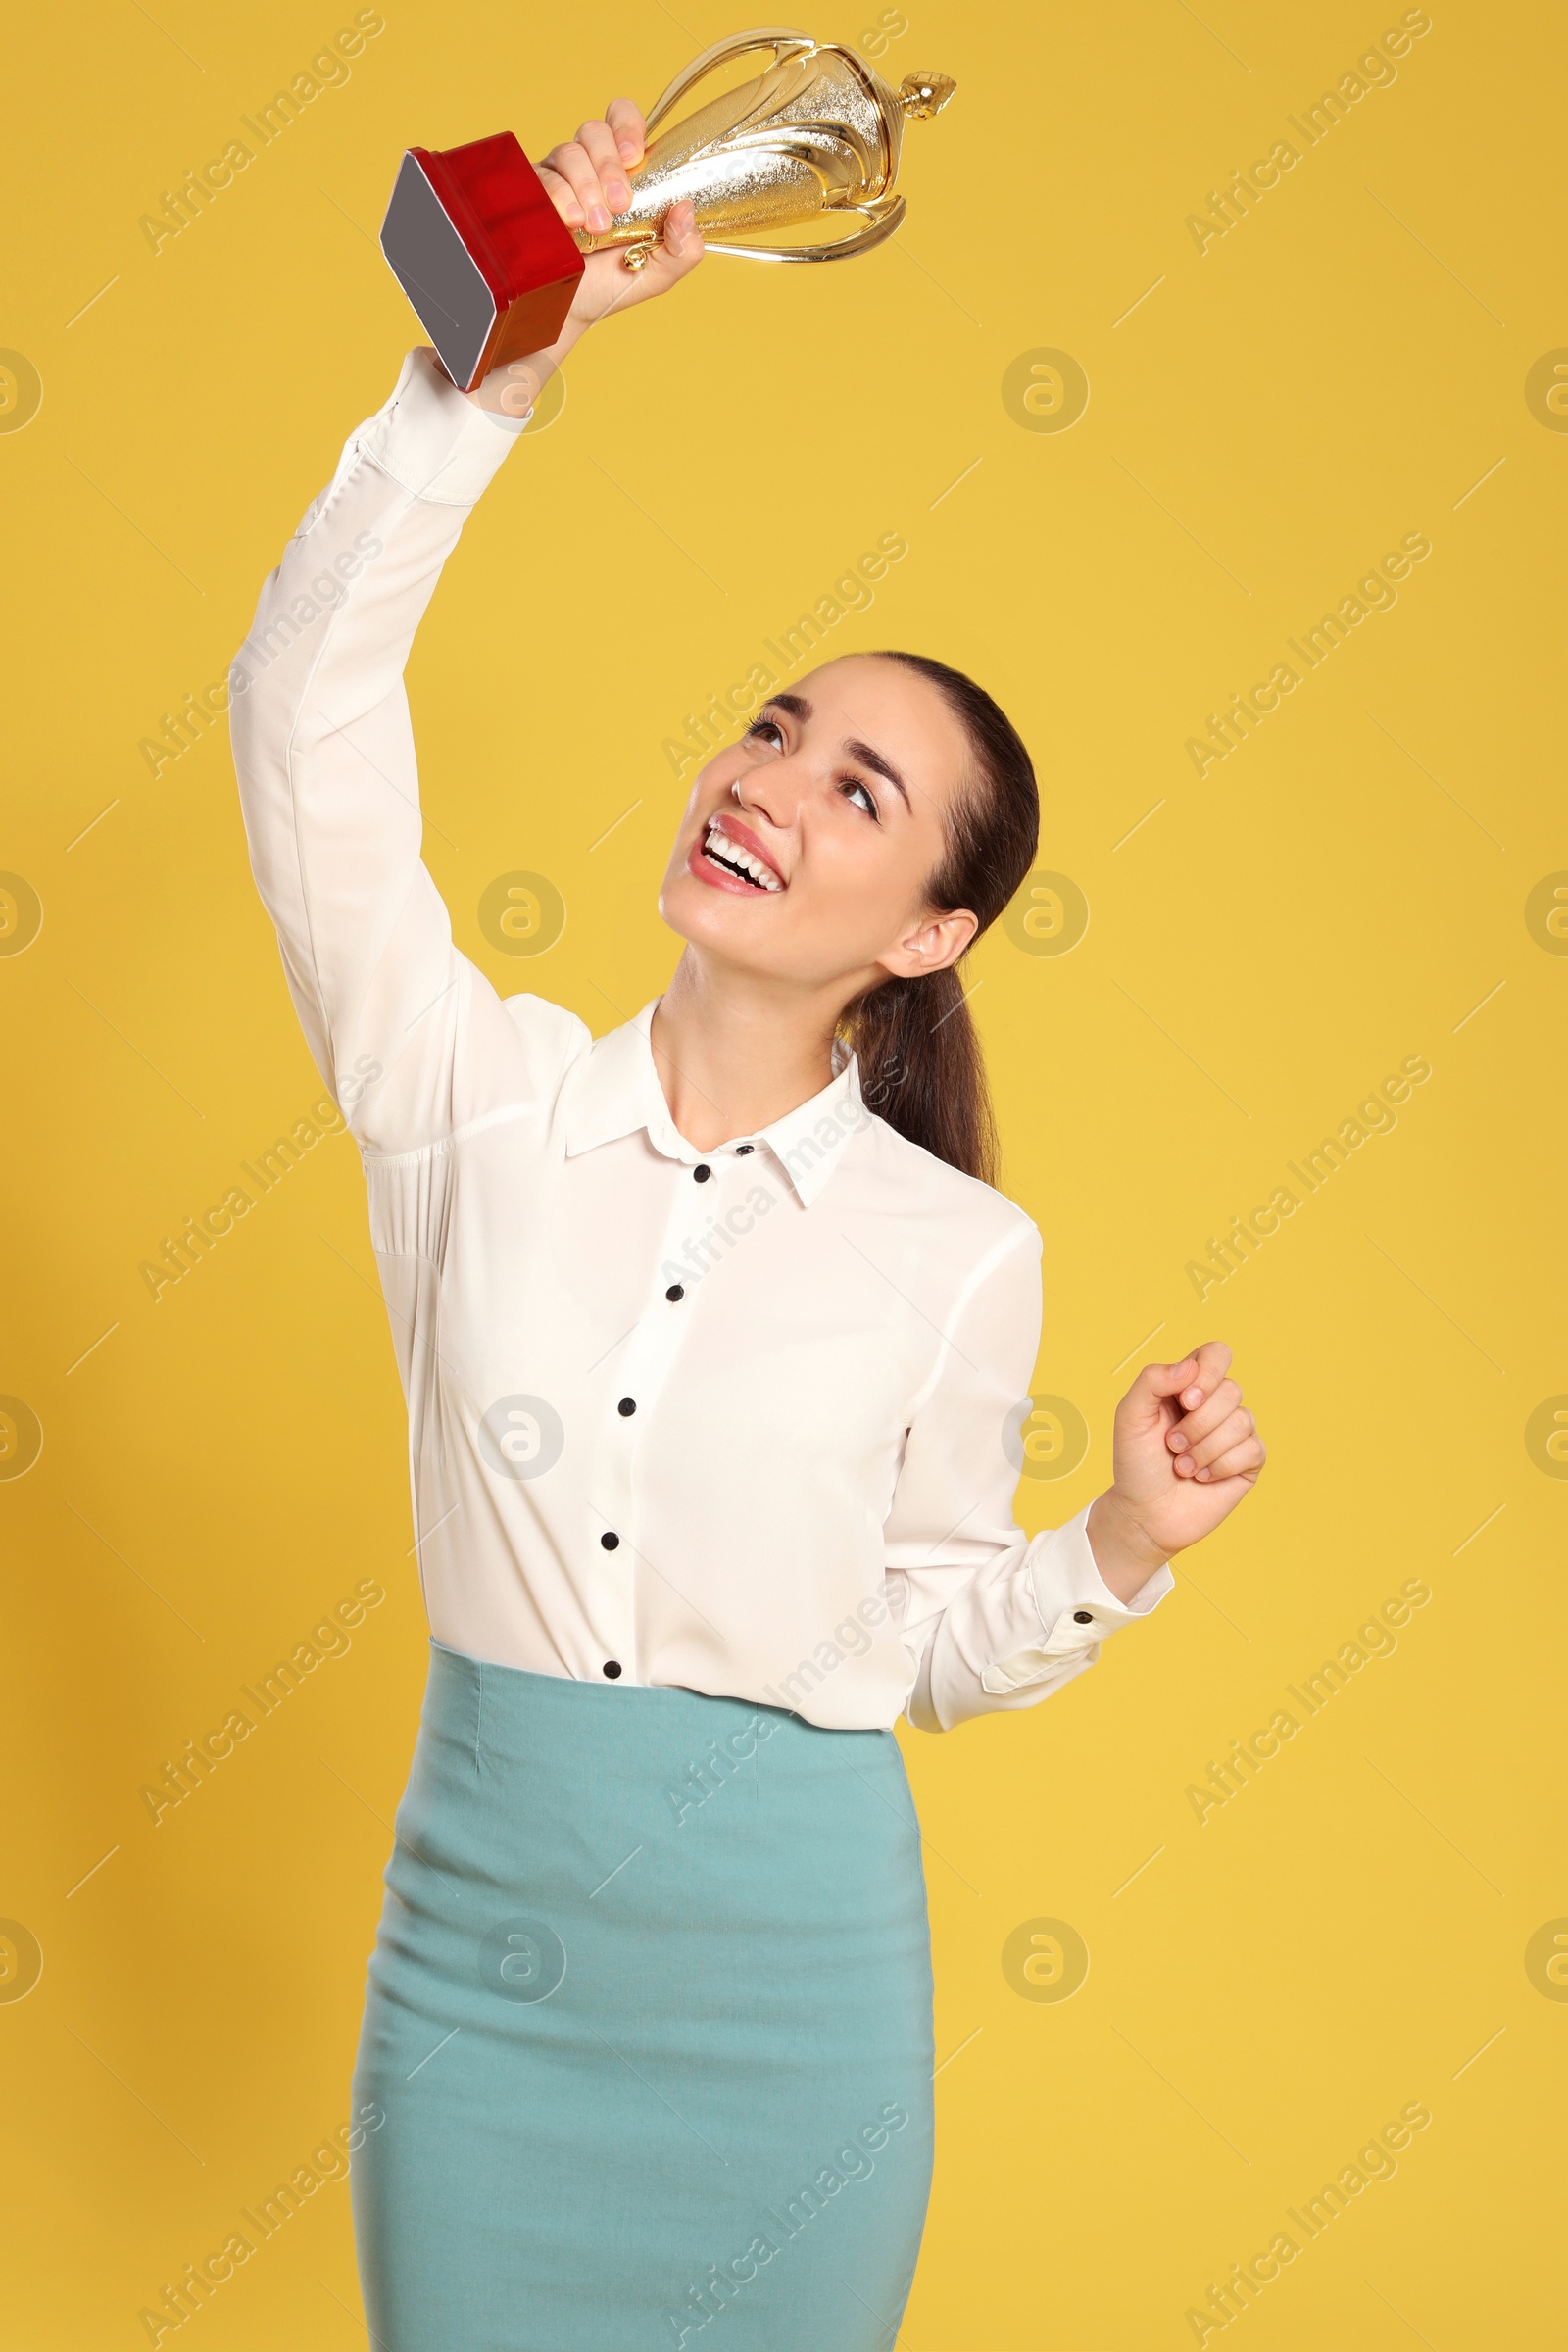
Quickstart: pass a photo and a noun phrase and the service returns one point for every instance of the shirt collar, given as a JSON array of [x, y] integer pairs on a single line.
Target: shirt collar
[[616, 1093]]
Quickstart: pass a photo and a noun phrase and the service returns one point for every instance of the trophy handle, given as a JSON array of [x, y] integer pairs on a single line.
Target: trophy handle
[[777, 37], [881, 215]]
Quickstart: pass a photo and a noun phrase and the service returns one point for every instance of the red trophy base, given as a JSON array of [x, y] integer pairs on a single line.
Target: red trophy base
[[481, 253]]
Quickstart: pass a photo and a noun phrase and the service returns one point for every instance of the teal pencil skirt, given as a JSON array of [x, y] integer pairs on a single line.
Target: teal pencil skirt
[[645, 2061]]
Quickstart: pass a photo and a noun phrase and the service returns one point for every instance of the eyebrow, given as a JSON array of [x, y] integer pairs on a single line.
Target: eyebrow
[[867, 754]]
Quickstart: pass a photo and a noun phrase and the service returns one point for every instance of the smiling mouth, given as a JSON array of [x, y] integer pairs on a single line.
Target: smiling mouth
[[732, 857]]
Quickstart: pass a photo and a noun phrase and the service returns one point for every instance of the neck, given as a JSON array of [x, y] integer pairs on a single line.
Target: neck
[[736, 1050]]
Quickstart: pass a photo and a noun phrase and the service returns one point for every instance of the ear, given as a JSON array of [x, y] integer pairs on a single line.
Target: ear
[[932, 945]]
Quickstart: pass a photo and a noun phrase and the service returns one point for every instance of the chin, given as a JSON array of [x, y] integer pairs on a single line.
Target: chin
[[710, 918]]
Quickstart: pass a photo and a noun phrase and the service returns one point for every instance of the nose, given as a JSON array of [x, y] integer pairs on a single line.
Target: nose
[[771, 792]]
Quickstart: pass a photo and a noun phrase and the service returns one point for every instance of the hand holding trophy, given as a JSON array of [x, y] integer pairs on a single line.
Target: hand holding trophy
[[585, 179], [502, 260]]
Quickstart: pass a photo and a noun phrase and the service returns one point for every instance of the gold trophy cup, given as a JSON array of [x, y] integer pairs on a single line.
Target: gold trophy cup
[[770, 167], [816, 133]]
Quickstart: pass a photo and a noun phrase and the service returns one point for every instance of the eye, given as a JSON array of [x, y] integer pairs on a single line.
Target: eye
[[761, 727], [860, 796]]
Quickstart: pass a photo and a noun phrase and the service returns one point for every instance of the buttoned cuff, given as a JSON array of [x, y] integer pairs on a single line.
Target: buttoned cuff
[[1077, 1608], [431, 438]]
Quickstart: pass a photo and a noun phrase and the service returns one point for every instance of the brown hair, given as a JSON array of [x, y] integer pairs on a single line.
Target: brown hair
[[921, 1068]]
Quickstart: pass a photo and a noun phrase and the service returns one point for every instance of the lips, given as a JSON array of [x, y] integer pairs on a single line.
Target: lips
[[730, 856]]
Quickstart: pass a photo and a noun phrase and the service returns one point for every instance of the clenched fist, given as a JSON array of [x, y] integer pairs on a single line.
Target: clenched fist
[[1186, 1452]]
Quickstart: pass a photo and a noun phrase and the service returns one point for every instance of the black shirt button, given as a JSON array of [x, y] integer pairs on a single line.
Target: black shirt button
[[609, 1539], [627, 1407], [674, 1292], [701, 1175], [741, 1150], [612, 1670], [1079, 1616]]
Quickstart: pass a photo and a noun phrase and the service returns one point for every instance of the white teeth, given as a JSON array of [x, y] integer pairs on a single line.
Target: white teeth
[[735, 852]]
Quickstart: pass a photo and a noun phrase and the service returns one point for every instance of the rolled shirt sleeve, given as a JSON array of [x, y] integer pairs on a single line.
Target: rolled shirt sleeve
[[992, 1618]]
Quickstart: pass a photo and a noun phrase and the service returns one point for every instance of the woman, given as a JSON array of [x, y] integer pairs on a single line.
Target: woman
[[712, 1378]]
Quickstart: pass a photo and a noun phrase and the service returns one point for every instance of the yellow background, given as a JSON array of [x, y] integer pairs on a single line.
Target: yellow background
[[1343, 891]]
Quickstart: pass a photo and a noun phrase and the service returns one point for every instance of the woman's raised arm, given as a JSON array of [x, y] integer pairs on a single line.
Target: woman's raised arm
[[327, 776], [410, 1036]]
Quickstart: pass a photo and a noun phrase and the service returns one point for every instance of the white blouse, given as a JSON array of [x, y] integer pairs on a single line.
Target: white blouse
[[746, 1420]]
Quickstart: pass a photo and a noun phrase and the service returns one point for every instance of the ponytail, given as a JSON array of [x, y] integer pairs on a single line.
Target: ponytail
[[921, 1067]]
